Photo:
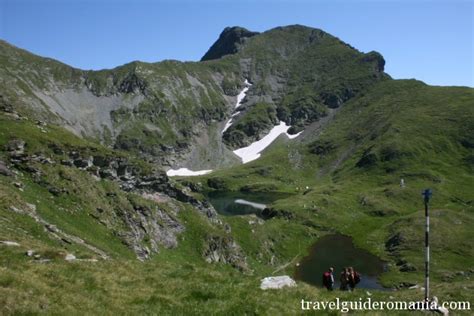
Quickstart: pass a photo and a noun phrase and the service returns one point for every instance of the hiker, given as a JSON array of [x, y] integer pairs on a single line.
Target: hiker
[[344, 279], [328, 279], [353, 278]]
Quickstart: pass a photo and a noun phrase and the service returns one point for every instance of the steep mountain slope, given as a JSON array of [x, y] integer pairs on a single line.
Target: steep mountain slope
[[299, 74], [174, 112], [122, 107]]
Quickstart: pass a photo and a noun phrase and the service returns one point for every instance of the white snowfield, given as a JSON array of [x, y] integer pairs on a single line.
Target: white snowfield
[[253, 151], [240, 98], [247, 154], [243, 93], [186, 172], [229, 122]]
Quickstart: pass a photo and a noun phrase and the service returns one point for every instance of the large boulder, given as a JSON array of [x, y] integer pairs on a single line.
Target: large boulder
[[16, 149], [277, 282], [394, 242]]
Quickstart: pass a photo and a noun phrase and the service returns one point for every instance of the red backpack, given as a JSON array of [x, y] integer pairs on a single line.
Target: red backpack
[[356, 277], [327, 278]]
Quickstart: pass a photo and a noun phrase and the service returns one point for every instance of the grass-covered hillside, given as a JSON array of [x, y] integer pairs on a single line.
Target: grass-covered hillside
[[346, 178], [50, 198], [91, 224]]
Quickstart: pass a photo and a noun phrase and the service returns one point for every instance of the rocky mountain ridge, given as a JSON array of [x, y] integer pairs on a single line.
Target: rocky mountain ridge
[[297, 74]]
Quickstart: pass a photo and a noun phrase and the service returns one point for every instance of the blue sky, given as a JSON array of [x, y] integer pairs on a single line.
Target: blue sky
[[427, 40]]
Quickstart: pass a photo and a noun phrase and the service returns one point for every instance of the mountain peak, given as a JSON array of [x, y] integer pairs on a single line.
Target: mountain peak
[[228, 42]]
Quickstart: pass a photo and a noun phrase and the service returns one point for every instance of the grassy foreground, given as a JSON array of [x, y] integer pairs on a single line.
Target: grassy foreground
[[165, 287]]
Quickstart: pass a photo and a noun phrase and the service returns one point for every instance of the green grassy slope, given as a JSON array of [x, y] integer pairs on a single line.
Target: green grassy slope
[[299, 73], [399, 129], [363, 200], [344, 178]]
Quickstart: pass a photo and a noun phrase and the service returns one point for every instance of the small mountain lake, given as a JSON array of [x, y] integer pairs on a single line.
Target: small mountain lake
[[338, 251], [243, 203]]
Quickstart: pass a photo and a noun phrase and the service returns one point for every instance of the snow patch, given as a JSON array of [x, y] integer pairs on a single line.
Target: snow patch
[[229, 122], [186, 172], [240, 98], [227, 125], [243, 93], [294, 135], [252, 151]]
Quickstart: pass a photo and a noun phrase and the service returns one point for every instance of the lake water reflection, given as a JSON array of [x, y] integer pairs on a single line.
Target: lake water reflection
[[243, 203], [338, 251]]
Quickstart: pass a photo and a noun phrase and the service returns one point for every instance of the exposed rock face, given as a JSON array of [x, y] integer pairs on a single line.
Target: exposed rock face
[[225, 250], [5, 106], [153, 224], [132, 84], [270, 212], [394, 242], [16, 147], [184, 195], [119, 169], [377, 60], [146, 228], [4, 170], [228, 43], [393, 245], [84, 111]]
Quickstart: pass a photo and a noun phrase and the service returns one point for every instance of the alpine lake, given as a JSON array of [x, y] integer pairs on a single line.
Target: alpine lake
[[333, 250]]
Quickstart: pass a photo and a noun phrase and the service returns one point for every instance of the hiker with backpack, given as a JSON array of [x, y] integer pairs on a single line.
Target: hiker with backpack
[[344, 279], [353, 278], [328, 279]]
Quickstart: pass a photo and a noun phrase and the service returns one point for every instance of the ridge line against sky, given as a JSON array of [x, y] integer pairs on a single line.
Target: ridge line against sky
[[428, 40]]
